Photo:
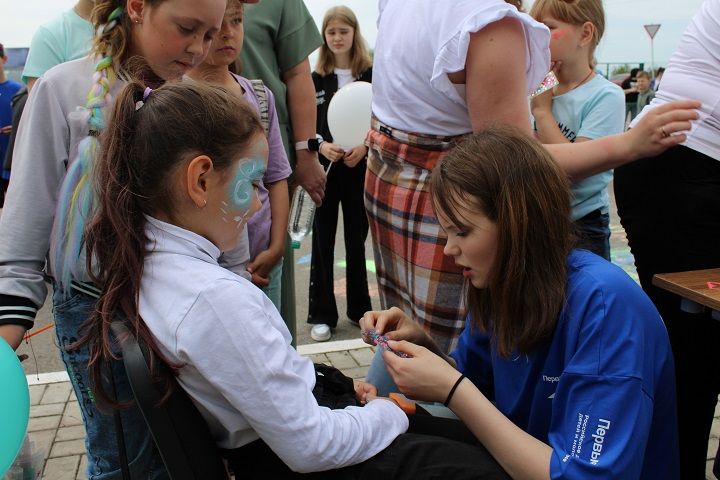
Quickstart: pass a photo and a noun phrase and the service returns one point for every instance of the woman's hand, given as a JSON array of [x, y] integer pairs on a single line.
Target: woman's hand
[[394, 324], [331, 151], [660, 128], [354, 155], [423, 376], [364, 392]]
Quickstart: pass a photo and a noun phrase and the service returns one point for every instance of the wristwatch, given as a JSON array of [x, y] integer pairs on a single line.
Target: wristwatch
[[312, 144]]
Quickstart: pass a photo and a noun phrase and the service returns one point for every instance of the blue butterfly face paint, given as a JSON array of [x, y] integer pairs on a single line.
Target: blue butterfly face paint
[[241, 188], [248, 173]]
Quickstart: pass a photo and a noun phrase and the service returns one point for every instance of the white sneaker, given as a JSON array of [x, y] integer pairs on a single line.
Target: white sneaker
[[320, 332]]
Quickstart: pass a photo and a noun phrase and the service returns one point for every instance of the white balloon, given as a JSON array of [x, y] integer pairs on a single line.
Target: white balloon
[[348, 114]]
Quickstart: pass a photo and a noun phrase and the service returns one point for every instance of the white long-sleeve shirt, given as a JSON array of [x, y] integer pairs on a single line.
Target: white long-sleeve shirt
[[239, 366]]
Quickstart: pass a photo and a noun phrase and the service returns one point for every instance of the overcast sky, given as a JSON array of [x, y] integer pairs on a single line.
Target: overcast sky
[[625, 39]]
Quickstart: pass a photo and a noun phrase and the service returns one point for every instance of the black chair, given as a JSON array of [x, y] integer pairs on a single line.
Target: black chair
[[181, 434]]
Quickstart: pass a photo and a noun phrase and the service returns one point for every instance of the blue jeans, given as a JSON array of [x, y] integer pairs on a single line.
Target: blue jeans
[[594, 232], [274, 288], [100, 439], [378, 375]]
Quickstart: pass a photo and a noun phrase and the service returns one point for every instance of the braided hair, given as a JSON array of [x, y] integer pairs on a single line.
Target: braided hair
[[75, 199]]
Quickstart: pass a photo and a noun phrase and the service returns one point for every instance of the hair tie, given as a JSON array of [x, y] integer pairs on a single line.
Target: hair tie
[[140, 103], [452, 390]]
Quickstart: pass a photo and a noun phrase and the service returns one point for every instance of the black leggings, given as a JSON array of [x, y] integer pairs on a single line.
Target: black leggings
[[670, 208]]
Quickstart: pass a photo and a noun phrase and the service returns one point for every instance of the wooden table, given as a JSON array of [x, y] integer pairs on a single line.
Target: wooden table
[[699, 287]]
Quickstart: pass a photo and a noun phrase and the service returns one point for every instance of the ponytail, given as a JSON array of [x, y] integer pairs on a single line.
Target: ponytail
[[116, 240]]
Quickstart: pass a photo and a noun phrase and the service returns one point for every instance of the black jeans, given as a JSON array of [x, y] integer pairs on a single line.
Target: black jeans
[[345, 186], [670, 208]]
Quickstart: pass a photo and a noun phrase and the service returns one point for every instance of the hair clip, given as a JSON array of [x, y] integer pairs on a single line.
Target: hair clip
[[140, 103]]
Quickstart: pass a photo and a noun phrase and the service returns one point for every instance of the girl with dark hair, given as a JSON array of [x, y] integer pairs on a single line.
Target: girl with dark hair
[[343, 59], [50, 199], [168, 205], [564, 368]]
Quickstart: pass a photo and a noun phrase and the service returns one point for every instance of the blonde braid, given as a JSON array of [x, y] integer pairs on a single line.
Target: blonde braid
[[75, 201]]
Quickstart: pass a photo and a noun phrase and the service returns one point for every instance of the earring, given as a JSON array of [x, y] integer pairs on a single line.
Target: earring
[[137, 20], [204, 203]]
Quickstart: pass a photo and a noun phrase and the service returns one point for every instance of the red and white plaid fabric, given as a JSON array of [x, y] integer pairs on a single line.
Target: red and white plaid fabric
[[413, 273]]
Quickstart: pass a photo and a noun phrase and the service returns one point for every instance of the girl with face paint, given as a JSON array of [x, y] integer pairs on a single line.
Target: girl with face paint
[[584, 106]]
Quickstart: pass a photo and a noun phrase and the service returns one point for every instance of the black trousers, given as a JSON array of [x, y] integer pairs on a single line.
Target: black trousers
[[345, 187], [670, 208], [410, 456]]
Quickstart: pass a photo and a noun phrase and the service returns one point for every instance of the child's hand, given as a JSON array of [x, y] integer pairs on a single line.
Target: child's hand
[[540, 104], [259, 281], [264, 262], [364, 392], [331, 151], [354, 155]]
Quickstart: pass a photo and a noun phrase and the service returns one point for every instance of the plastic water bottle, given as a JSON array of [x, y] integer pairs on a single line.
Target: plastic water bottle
[[302, 213]]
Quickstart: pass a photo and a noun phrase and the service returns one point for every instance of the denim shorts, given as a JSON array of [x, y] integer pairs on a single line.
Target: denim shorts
[[100, 440]]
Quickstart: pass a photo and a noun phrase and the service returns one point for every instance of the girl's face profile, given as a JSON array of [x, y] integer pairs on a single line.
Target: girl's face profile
[[473, 245], [339, 37], [564, 38], [228, 42], [175, 35], [238, 200]]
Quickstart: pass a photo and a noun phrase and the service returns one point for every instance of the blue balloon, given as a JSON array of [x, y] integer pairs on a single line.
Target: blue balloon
[[14, 406]]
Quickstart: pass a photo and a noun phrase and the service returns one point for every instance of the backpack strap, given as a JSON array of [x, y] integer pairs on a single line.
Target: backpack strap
[[262, 98]]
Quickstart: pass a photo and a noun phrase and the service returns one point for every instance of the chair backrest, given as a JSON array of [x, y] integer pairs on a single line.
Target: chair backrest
[[179, 430]]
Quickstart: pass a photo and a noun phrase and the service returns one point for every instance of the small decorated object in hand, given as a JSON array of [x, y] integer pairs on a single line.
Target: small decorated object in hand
[[381, 342], [548, 82]]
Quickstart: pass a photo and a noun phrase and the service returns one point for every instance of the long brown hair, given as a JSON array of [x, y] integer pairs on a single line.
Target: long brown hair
[[359, 54], [142, 149], [575, 12], [512, 179]]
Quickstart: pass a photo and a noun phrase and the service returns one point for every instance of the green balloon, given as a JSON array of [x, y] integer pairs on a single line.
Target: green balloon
[[14, 406]]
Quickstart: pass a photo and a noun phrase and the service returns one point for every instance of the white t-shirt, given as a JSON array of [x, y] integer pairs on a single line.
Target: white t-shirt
[[344, 76], [418, 47], [239, 367], [693, 72]]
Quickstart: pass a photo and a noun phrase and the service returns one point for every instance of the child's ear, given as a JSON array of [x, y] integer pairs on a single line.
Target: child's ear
[[588, 33], [135, 9], [197, 179]]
